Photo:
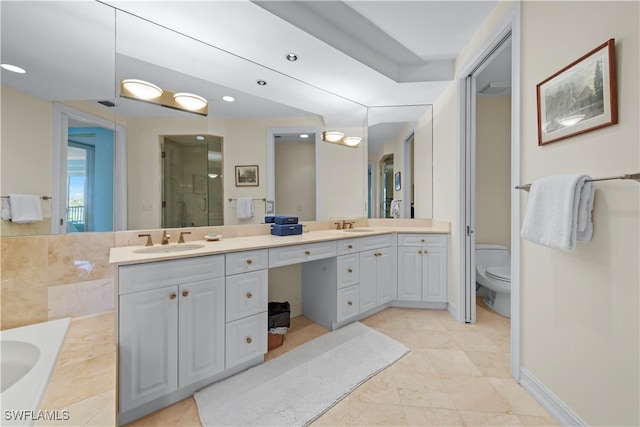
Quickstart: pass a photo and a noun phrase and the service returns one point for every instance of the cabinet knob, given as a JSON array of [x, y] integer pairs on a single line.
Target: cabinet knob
[[307, 252], [249, 340], [419, 252], [350, 270], [249, 261], [172, 295], [185, 293], [426, 251], [350, 303], [249, 295], [350, 246], [422, 240]]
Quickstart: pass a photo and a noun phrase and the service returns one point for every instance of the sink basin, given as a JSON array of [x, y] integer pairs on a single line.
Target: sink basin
[[358, 230], [166, 249]]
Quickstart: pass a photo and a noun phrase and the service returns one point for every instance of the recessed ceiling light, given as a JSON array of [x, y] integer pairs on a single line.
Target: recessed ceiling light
[[200, 138], [228, 98], [13, 68], [304, 135], [292, 57], [261, 82]]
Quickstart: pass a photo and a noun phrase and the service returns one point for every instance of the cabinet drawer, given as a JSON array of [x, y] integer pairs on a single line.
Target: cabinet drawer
[[246, 339], [348, 303], [348, 246], [246, 294], [375, 242], [153, 275], [296, 254], [348, 270], [422, 239], [243, 262]]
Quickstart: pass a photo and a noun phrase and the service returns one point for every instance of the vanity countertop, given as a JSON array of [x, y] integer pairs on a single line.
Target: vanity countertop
[[126, 254]]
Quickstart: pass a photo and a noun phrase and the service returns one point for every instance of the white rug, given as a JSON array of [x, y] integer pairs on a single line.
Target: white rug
[[296, 388]]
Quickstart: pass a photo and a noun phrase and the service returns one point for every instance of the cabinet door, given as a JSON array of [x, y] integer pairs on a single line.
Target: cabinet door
[[246, 339], [410, 261], [201, 338], [148, 346], [368, 279], [347, 303], [434, 270], [384, 272]]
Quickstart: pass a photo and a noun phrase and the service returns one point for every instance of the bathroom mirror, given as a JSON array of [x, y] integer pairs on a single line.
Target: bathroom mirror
[[87, 37]]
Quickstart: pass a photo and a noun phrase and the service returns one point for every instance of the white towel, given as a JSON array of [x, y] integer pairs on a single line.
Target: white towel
[[5, 215], [395, 208], [25, 208], [559, 212], [244, 207]]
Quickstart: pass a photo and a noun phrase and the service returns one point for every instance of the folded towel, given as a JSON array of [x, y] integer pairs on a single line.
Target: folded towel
[[5, 215], [395, 208], [559, 211], [25, 208], [244, 207]]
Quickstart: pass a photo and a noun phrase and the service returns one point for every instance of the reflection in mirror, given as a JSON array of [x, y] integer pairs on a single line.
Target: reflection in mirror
[[403, 134], [192, 181], [386, 185]]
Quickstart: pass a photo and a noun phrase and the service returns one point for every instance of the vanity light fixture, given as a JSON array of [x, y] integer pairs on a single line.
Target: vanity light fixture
[[148, 92], [352, 141], [228, 98], [142, 89], [332, 136], [213, 175], [200, 138], [13, 68]]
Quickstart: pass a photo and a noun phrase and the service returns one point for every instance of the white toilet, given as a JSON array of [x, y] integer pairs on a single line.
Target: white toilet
[[493, 271]]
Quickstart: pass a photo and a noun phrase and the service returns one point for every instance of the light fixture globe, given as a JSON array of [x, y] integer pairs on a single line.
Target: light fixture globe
[[142, 89], [190, 101], [352, 141], [332, 136]]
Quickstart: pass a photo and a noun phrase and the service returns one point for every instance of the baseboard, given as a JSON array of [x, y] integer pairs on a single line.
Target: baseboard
[[549, 401], [451, 308]]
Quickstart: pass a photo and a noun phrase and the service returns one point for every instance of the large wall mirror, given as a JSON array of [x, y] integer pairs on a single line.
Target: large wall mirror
[[55, 116]]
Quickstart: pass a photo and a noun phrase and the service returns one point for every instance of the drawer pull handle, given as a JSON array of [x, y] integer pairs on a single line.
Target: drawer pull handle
[[172, 295], [307, 253], [350, 270], [249, 340], [185, 293], [249, 261], [249, 295], [350, 303], [350, 246]]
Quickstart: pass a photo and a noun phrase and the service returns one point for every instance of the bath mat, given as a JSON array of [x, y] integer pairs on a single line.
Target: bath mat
[[296, 388]]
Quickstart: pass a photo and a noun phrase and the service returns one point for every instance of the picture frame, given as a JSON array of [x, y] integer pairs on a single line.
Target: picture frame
[[397, 181], [199, 184], [247, 176], [579, 98]]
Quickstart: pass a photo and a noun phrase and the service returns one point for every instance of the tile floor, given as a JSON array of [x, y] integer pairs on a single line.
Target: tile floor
[[455, 375]]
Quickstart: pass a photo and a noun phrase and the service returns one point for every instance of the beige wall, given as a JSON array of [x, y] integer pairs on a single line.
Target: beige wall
[[295, 175], [584, 304], [493, 170]]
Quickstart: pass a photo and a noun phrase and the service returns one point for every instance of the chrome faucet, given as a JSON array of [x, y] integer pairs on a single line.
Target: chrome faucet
[[165, 237]]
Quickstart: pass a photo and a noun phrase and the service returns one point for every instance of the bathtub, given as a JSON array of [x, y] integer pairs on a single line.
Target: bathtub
[[28, 356]]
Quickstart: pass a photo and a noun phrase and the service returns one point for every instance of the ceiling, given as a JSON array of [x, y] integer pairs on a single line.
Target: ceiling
[[352, 55]]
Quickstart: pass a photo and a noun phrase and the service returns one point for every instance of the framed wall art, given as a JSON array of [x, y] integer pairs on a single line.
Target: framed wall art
[[247, 176], [579, 98]]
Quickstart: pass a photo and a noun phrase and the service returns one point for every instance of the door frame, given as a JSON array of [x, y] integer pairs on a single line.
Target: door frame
[[61, 115], [510, 24]]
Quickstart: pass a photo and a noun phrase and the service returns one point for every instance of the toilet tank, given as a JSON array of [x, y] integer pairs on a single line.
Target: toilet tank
[[491, 255]]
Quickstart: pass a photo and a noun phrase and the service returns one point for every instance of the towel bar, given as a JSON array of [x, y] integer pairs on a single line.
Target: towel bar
[[632, 176], [264, 200], [42, 197]]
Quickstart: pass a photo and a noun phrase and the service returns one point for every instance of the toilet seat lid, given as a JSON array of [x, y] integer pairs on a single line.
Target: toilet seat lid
[[502, 272]]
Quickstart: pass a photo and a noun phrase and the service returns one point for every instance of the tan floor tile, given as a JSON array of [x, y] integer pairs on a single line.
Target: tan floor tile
[[336, 416], [376, 414], [528, 420], [521, 402], [179, 414], [500, 339], [489, 419], [491, 364], [379, 389], [421, 416], [474, 341], [96, 411], [452, 362], [416, 362], [426, 390], [474, 394], [442, 340]]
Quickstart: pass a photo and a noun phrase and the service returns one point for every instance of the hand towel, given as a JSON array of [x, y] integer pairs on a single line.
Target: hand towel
[[244, 208], [5, 215], [559, 211], [25, 208]]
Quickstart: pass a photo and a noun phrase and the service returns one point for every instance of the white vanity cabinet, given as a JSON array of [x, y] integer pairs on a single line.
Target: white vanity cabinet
[[246, 306], [422, 269], [377, 279], [171, 327]]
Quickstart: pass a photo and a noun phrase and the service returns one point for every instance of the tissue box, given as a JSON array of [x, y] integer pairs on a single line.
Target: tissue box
[[286, 229], [269, 219], [283, 219]]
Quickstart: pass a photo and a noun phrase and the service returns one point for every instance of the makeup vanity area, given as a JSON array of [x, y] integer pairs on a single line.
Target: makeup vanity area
[[189, 318]]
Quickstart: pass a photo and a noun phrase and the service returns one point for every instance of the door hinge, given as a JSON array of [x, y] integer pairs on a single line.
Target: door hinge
[[164, 204]]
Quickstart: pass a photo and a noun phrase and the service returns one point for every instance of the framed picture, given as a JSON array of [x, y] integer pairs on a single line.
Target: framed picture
[[397, 181], [199, 184], [579, 98], [247, 176]]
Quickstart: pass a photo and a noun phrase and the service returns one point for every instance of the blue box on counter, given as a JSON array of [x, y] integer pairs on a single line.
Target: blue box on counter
[[286, 229], [280, 219]]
